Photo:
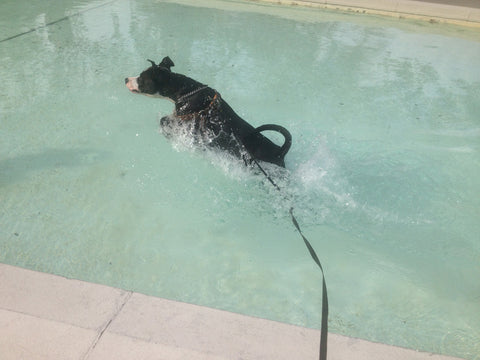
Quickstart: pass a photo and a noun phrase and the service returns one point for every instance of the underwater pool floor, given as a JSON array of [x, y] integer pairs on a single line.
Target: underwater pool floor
[[44, 316]]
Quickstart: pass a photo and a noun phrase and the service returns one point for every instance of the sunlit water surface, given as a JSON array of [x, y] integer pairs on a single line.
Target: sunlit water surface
[[384, 172]]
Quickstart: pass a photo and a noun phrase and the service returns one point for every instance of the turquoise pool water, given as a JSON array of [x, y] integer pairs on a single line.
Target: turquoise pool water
[[384, 169]]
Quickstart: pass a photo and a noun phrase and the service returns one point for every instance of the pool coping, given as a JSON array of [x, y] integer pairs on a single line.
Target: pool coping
[[44, 316], [433, 11]]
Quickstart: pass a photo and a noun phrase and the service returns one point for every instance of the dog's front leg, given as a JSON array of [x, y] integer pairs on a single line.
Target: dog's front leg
[[167, 125]]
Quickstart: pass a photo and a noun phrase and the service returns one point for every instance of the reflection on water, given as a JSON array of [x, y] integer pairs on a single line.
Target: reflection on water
[[383, 171]]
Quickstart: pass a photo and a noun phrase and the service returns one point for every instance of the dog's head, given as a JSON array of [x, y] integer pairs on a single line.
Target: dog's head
[[154, 81]]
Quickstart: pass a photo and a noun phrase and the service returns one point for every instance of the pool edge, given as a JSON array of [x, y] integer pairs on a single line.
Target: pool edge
[[409, 9], [50, 316]]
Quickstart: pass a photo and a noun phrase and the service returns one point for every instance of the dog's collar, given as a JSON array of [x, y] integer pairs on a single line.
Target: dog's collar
[[183, 97]]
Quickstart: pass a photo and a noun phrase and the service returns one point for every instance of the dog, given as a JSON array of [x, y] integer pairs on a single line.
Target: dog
[[206, 116]]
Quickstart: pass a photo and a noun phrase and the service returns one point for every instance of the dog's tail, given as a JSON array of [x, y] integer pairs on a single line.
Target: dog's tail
[[286, 134]]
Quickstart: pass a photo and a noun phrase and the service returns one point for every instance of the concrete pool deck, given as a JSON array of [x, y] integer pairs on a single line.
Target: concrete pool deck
[[460, 12], [44, 316]]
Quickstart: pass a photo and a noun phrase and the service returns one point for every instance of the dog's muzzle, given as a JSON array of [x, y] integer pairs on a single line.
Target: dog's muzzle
[[132, 84]]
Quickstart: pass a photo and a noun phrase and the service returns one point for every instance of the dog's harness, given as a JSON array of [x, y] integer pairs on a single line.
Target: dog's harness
[[207, 112], [200, 118]]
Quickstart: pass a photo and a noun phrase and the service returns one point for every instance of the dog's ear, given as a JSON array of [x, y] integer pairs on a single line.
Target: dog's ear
[[166, 63]]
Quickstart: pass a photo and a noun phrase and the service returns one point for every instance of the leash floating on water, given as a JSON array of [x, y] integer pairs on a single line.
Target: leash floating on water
[[324, 326], [313, 254]]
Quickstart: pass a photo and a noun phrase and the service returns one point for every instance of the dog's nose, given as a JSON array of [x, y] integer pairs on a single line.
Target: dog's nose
[[126, 80]]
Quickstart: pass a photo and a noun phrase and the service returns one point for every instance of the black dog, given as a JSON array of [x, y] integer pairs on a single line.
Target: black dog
[[210, 120]]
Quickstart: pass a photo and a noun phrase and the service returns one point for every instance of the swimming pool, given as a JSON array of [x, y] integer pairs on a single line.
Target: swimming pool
[[384, 167]]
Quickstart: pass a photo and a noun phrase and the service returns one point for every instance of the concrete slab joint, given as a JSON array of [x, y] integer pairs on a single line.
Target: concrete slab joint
[[107, 324]]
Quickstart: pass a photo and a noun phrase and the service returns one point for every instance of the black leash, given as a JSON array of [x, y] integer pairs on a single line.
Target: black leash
[[324, 326], [313, 254]]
